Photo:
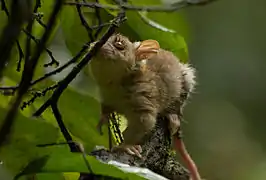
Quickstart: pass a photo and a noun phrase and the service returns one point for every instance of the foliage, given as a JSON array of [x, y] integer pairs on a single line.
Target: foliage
[[80, 113]]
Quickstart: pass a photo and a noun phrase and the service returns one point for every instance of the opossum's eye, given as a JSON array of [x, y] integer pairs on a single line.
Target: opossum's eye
[[119, 45]]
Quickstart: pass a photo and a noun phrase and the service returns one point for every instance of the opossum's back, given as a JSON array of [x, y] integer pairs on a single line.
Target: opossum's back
[[167, 67]]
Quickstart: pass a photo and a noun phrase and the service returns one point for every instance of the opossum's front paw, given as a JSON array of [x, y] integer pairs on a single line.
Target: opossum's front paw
[[130, 149]]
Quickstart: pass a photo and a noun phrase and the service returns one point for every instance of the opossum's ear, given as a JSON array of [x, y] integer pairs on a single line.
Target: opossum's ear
[[146, 49]]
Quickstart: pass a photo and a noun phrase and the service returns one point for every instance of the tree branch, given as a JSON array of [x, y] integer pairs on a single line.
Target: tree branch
[[126, 6], [28, 72], [37, 94], [21, 54], [156, 154], [84, 22], [98, 16], [64, 83], [12, 30], [58, 70]]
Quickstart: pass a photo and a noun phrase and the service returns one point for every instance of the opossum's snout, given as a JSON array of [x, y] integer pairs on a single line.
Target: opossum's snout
[[118, 49], [107, 51]]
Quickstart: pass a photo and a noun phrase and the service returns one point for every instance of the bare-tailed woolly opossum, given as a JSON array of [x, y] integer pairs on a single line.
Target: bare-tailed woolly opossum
[[140, 80]]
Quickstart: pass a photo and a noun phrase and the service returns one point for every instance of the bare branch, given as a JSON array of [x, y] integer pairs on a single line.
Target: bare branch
[[28, 72], [21, 54], [67, 136], [126, 6], [58, 70], [37, 94], [38, 18], [98, 16], [167, 165], [12, 30], [64, 83], [84, 22]]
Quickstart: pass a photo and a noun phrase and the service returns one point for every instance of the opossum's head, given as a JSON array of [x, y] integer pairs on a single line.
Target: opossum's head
[[119, 55], [118, 50]]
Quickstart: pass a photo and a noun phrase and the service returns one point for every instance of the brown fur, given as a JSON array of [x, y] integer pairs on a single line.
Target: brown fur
[[138, 95], [143, 91]]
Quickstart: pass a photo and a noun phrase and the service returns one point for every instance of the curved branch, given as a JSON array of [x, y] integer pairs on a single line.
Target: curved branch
[[156, 154]]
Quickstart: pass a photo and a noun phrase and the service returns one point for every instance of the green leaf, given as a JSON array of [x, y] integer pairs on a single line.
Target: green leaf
[[109, 3], [25, 135], [80, 113], [75, 35], [62, 160], [169, 41], [137, 29], [154, 24]]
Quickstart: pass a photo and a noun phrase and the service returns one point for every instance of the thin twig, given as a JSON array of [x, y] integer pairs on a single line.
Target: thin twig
[[59, 69], [74, 147], [100, 26], [11, 31], [21, 56], [84, 22], [28, 72], [37, 94], [131, 7], [45, 76], [167, 8], [98, 16], [38, 18], [37, 15], [64, 83], [49, 52], [4, 8], [67, 136], [52, 101], [28, 42], [29, 35]]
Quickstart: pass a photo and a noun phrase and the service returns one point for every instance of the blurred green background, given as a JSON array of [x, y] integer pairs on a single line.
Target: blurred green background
[[225, 117], [226, 129]]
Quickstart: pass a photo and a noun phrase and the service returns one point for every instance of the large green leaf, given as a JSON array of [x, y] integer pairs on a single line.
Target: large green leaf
[[137, 29], [80, 112], [62, 160], [26, 134], [75, 34]]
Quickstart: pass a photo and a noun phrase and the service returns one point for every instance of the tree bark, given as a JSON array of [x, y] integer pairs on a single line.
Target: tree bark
[[156, 153]]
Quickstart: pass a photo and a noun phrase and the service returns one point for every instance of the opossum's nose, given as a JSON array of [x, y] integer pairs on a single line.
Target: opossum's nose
[[107, 50], [105, 47]]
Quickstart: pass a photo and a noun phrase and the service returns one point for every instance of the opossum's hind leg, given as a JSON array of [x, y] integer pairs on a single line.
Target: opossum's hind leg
[[140, 123]]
